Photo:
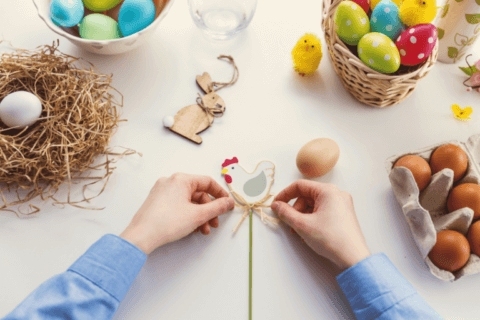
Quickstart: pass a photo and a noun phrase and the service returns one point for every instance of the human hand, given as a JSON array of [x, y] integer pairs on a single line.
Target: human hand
[[175, 207], [325, 218]]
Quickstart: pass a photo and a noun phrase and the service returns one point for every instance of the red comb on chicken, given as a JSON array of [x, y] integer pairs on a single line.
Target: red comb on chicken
[[226, 163], [254, 185], [230, 161]]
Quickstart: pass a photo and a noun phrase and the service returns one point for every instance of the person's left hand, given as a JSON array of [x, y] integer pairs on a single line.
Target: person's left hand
[[175, 207]]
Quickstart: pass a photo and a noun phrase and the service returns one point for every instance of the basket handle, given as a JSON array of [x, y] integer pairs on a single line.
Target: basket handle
[[329, 6]]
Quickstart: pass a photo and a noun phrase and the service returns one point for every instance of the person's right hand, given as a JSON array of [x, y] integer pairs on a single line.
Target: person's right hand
[[325, 218]]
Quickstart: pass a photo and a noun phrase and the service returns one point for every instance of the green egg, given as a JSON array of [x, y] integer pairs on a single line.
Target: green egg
[[100, 5], [379, 52], [98, 26], [351, 22]]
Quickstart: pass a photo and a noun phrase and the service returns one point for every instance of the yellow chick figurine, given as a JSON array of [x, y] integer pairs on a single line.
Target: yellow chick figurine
[[413, 12], [307, 54]]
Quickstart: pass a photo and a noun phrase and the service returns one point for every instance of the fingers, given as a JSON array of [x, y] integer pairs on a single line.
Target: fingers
[[301, 188], [206, 184], [205, 198], [300, 204], [214, 208], [205, 228], [200, 198], [213, 222], [289, 215]]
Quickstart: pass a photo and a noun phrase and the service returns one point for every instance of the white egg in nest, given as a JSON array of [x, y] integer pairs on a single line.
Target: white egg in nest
[[20, 109]]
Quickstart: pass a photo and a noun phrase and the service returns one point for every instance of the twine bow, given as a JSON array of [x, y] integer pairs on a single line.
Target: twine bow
[[217, 112], [254, 206]]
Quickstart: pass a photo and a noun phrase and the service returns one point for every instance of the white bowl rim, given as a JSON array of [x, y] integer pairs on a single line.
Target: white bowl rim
[[59, 31]]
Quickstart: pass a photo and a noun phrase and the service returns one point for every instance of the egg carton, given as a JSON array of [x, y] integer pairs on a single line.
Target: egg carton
[[426, 212]]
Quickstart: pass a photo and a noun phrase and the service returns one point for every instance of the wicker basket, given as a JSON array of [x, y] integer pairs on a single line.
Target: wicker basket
[[366, 85]]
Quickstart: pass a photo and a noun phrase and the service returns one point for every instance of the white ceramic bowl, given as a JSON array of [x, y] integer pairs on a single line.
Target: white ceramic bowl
[[107, 47]]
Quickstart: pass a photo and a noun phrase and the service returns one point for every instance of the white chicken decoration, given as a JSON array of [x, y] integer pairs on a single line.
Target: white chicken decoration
[[255, 185], [250, 189]]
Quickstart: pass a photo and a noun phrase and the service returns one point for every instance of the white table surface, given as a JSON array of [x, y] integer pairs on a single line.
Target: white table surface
[[271, 113]]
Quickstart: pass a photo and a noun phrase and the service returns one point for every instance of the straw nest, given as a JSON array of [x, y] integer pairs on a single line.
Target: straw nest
[[78, 119]]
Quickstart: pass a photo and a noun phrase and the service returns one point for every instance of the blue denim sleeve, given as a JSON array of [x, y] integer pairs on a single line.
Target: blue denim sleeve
[[91, 288], [376, 289]]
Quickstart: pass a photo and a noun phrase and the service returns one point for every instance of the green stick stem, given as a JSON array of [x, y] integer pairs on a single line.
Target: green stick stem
[[250, 272]]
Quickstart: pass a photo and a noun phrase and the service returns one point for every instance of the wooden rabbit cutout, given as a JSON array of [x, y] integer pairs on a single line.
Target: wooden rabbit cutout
[[193, 119]]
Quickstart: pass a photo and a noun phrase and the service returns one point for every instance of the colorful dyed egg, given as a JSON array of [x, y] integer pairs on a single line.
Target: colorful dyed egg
[[66, 13], [135, 15], [364, 4], [416, 43], [373, 3], [385, 19], [351, 22], [97, 26], [379, 52], [100, 5]]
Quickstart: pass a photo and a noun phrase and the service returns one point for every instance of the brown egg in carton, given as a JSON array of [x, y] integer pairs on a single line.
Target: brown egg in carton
[[426, 212]]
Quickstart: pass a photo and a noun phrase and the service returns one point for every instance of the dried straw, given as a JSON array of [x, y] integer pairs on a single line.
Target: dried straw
[[78, 119]]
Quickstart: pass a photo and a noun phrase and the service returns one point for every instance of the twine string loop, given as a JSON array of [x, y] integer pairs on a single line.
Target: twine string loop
[[254, 206], [236, 73], [217, 112]]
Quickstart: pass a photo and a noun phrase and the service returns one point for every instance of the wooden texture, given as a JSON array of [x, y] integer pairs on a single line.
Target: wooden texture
[[190, 121], [367, 85], [205, 82]]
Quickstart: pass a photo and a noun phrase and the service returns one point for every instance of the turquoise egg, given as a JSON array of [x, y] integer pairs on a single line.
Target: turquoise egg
[[385, 19], [135, 15], [66, 13], [97, 26]]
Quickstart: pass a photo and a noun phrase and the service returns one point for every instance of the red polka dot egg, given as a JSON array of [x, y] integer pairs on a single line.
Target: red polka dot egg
[[364, 4], [416, 43]]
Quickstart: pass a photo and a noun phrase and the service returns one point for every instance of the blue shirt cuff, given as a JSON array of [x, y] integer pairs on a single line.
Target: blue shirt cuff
[[111, 263], [374, 285]]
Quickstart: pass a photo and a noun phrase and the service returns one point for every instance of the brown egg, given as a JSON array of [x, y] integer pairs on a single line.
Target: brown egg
[[465, 195], [451, 251], [318, 157], [474, 237], [452, 157], [419, 167]]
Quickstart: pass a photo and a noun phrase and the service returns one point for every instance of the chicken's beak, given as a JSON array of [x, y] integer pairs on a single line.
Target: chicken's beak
[[306, 48], [225, 170]]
